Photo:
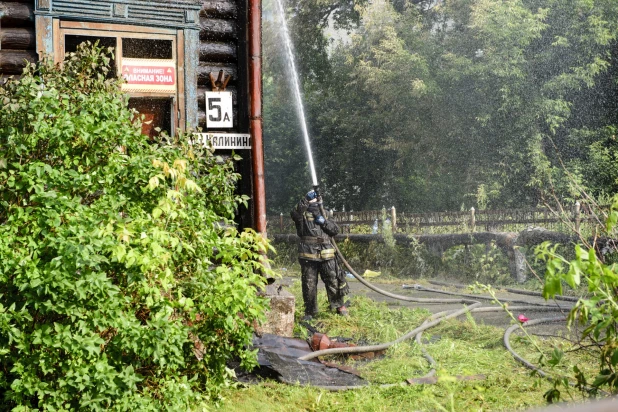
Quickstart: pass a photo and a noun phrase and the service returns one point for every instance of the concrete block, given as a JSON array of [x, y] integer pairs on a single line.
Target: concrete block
[[280, 317]]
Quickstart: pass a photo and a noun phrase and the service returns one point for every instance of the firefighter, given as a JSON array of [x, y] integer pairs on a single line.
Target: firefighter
[[316, 254]]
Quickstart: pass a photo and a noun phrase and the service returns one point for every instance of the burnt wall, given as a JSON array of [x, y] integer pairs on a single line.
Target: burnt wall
[[223, 46], [17, 37]]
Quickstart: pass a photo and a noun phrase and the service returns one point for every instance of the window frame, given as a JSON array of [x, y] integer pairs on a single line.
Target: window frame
[[62, 28]]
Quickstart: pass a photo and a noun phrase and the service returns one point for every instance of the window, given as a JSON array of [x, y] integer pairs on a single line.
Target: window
[[71, 43], [147, 59], [147, 48]]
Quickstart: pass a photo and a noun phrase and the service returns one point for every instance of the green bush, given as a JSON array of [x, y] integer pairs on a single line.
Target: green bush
[[124, 284], [593, 266]]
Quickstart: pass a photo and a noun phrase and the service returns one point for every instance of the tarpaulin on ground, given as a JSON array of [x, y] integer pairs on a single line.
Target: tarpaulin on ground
[[278, 358]]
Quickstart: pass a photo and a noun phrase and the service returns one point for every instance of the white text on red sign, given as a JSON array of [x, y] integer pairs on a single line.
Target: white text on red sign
[[152, 75]]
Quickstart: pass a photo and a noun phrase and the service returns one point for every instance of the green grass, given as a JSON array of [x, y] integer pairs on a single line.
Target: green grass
[[461, 347]]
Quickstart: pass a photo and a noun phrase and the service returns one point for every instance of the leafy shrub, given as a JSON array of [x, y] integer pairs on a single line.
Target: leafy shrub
[[593, 266], [124, 284]]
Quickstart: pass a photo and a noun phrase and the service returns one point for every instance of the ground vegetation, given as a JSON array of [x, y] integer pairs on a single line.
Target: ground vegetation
[[461, 347]]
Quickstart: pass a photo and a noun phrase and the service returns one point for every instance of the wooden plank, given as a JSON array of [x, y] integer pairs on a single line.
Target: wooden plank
[[219, 9], [201, 97], [218, 29], [137, 30], [153, 94], [218, 52], [179, 111], [204, 69], [119, 34], [17, 38], [44, 38], [58, 39], [118, 54], [192, 41]]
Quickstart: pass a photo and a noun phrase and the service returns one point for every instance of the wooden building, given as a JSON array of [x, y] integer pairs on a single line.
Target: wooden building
[[173, 54]]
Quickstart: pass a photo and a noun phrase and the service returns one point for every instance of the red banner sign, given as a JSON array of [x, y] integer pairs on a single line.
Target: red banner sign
[[151, 75]]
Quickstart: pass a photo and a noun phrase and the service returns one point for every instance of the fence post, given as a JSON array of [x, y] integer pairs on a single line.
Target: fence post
[[472, 220], [577, 217], [281, 222], [394, 219]]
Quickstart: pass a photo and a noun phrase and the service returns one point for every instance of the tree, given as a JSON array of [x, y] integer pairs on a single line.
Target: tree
[[124, 284], [287, 175], [426, 105]]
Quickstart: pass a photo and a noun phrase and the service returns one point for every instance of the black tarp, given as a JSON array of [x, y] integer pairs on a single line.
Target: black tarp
[[278, 359]]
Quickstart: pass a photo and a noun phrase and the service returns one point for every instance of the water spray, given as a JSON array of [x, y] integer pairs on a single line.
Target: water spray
[[296, 87]]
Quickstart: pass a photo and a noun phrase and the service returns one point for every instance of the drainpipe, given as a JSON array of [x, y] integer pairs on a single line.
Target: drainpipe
[[255, 114]]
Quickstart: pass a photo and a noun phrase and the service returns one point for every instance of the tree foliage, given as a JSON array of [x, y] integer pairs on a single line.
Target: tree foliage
[[123, 282], [426, 102]]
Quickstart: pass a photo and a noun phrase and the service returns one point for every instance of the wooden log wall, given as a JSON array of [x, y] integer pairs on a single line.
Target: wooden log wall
[[222, 30], [219, 37], [223, 46], [17, 38]]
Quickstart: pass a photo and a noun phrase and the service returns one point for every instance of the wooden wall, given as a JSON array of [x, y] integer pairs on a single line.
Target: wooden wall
[[223, 46], [222, 35], [17, 39]]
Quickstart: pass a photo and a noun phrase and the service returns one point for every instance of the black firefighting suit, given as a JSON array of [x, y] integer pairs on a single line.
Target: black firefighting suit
[[316, 254]]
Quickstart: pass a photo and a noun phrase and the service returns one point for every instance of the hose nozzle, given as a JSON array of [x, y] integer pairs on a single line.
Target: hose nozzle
[[316, 189]]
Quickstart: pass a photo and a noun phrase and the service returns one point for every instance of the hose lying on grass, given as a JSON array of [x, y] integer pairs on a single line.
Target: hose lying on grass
[[481, 297], [469, 300], [433, 363], [511, 290], [518, 358], [372, 348]]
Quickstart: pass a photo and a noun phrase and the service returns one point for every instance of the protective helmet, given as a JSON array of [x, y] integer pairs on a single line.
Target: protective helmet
[[311, 195]]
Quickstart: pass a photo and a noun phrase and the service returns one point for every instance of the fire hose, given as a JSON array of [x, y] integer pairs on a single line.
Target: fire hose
[[472, 307]]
